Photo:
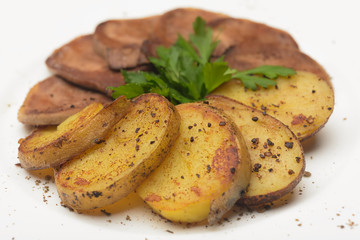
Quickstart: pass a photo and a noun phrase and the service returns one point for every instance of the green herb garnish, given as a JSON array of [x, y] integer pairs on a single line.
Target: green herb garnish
[[186, 74]]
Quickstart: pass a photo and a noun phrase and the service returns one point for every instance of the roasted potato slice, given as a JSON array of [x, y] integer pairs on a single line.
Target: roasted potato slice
[[50, 146], [277, 157], [206, 171], [134, 147], [303, 102]]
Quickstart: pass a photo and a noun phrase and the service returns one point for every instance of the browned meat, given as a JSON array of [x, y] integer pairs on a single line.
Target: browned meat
[[230, 31], [77, 62], [234, 32], [249, 56], [52, 100], [120, 41], [170, 24], [180, 21]]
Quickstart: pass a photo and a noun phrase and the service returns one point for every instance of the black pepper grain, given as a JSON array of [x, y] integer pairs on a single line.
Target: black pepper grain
[[255, 119], [257, 166], [105, 212], [270, 143], [98, 141], [289, 144]]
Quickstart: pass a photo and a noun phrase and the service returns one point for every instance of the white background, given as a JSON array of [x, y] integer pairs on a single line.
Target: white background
[[328, 31]]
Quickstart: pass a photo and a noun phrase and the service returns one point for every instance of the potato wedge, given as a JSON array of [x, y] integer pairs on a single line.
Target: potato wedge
[[112, 169], [277, 157], [51, 146], [206, 171], [303, 102]]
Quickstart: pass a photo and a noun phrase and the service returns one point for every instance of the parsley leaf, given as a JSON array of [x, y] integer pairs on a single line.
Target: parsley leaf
[[215, 74], [184, 72], [262, 76], [202, 40]]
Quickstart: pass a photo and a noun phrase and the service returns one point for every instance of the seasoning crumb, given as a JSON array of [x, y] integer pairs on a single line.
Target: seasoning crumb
[[222, 123], [169, 231], [105, 212], [257, 166], [307, 174], [18, 165], [98, 141], [270, 143], [289, 144], [255, 140], [128, 218]]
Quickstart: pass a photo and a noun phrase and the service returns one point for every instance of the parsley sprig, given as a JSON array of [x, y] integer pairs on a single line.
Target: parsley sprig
[[184, 72]]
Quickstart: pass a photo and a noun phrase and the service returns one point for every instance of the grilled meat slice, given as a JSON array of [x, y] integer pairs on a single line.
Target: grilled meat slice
[[52, 100], [237, 32], [119, 41], [77, 62]]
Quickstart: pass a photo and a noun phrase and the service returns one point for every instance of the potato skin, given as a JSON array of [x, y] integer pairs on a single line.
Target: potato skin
[[52, 146], [277, 157], [112, 169], [205, 172], [303, 102]]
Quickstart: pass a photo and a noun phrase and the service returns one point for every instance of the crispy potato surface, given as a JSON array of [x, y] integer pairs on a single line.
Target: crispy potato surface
[[303, 102], [113, 168], [50, 146], [276, 155], [206, 171]]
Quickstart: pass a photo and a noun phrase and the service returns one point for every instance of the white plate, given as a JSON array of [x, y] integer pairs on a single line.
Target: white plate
[[323, 205]]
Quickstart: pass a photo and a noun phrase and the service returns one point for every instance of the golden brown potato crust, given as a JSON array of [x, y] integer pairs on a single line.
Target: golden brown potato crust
[[277, 157], [205, 171], [52, 146], [113, 168]]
